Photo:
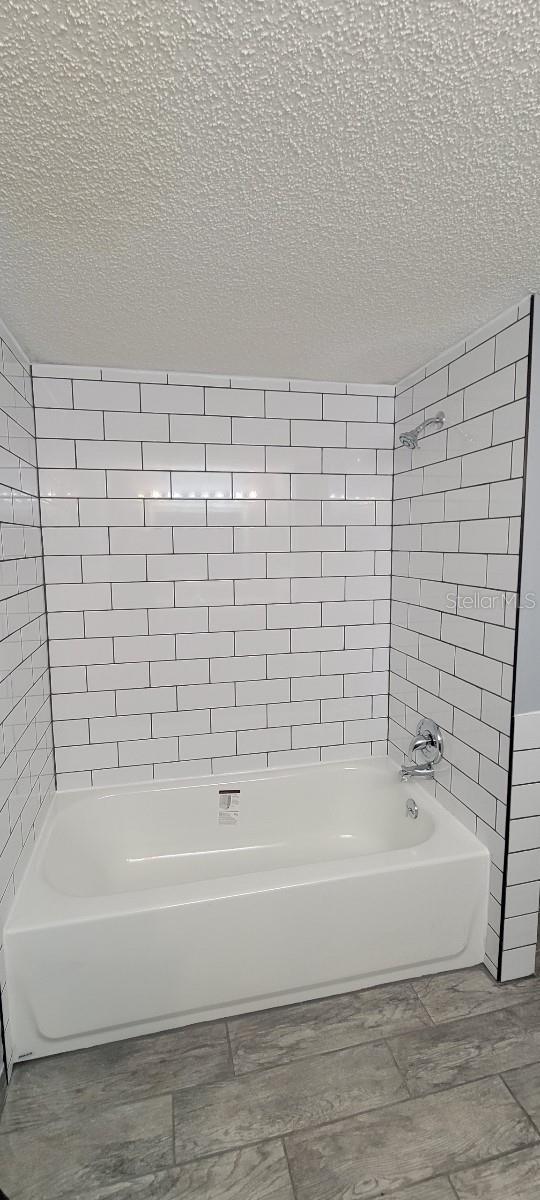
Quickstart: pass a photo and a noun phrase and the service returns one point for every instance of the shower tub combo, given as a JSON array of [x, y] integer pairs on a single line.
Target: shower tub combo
[[147, 908]]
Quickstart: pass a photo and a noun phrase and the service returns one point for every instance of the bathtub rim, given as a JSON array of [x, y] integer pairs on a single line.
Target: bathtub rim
[[38, 904]]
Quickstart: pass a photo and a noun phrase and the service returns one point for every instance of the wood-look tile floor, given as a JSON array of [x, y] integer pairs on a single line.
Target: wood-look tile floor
[[428, 1090]]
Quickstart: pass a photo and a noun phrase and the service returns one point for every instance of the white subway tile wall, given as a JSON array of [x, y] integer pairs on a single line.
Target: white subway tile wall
[[217, 563], [26, 755], [456, 533], [523, 877]]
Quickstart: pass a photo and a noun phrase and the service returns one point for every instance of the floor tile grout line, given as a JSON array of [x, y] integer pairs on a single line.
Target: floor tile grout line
[[230, 1050], [430, 1022], [289, 1169], [398, 1068], [535, 1124], [379, 1108], [379, 1040], [179, 1092]]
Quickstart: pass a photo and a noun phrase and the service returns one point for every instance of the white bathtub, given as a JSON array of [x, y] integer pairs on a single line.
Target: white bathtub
[[140, 911]]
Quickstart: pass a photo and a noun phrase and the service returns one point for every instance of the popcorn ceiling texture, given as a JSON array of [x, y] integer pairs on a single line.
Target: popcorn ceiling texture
[[282, 188]]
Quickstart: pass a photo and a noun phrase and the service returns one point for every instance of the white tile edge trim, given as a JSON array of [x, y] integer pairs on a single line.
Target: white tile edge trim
[[9, 338], [468, 342], [187, 378]]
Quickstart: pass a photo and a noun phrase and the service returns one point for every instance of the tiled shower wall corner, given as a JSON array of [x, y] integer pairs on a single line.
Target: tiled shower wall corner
[[523, 878], [217, 561], [26, 757], [456, 538]]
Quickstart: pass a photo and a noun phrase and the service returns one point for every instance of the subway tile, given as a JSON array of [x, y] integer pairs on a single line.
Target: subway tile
[[349, 462], [293, 564], [204, 645], [209, 745], [363, 434], [119, 397], [349, 408], [149, 750], [318, 487], [328, 537], [171, 724], [113, 568], [52, 393], [249, 717], [136, 483], [256, 431], [262, 591], [108, 455], [237, 458], [113, 729], [509, 422], [369, 487], [117, 675], [293, 459], [81, 758], [54, 452], [237, 566], [177, 566], [254, 741], [512, 343], [171, 398], [318, 433], [259, 691], [138, 427], [229, 669], [142, 595], [175, 512], [487, 466], [200, 429], [233, 617], [205, 695], [289, 616], [69, 423], [293, 512], [348, 512], [472, 366], [203, 541], [111, 512], [308, 638], [235, 512], [72, 483], [177, 620], [187, 671], [173, 456], [78, 596], [129, 540], [236, 402], [143, 649], [266, 486], [297, 405], [261, 641]]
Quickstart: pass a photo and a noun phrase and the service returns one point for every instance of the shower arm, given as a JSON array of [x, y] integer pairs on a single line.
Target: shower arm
[[410, 438], [438, 420]]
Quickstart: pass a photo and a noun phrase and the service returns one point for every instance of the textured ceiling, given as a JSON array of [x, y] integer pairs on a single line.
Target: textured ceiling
[[273, 187]]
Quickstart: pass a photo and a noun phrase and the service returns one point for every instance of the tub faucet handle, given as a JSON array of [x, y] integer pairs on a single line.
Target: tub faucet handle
[[428, 740], [419, 743]]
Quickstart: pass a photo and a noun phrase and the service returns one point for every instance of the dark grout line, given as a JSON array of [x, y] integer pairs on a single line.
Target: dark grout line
[[289, 1169], [502, 1077]]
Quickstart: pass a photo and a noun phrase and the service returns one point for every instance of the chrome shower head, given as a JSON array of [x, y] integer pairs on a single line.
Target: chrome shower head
[[410, 438]]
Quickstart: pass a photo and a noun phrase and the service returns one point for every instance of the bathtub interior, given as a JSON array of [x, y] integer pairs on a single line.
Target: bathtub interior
[[140, 912], [129, 840]]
